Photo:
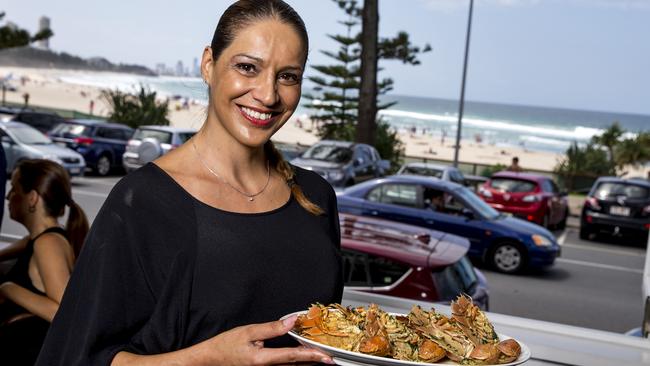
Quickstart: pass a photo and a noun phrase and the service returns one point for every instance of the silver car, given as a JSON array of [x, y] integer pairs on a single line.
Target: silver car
[[150, 142], [22, 142]]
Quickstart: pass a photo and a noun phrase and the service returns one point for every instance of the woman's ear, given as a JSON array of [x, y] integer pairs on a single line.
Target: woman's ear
[[207, 64], [33, 198]]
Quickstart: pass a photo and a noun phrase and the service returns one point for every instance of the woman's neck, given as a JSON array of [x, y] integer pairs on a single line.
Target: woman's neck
[[37, 225]]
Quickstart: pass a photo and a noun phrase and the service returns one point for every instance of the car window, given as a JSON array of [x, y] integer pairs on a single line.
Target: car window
[[476, 204], [163, 137], [364, 154], [615, 189], [110, 133], [457, 177], [430, 172], [325, 152], [455, 279], [30, 136], [362, 269], [184, 136], [512, 185], [126, 134], [395, 194], [548, 186], [71, 129]]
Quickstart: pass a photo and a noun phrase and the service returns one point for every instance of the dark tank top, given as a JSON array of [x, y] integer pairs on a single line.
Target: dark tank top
[[19, 273]]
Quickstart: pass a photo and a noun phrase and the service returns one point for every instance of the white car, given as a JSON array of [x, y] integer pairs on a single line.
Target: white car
[[151, 142]]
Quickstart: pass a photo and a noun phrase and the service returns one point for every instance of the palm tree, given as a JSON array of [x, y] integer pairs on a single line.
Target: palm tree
[[609, 139]]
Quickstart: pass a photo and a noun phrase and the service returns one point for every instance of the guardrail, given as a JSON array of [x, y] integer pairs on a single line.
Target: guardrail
[[550, 343]]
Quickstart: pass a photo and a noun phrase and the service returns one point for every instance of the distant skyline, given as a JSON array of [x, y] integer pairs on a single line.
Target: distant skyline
[[576, 54]]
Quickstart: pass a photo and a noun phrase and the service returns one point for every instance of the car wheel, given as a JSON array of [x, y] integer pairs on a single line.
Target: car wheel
[[562, 224], [585, 233], [508, 257], [103, 166]]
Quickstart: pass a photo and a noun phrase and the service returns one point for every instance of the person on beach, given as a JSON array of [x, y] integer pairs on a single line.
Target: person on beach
[[194, 258], [40, 192], [514, 166]]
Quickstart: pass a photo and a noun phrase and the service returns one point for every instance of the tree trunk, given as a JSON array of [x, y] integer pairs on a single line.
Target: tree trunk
[[367, 125]]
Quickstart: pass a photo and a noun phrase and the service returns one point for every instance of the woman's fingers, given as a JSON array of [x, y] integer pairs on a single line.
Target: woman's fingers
[[262, 331]]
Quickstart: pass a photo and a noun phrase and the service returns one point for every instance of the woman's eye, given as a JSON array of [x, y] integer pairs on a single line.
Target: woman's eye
[[288, 78], [246, 68]]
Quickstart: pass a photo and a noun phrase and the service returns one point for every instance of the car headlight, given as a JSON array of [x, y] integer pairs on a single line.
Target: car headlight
[[541, 241], [53, 158], [334, 175]]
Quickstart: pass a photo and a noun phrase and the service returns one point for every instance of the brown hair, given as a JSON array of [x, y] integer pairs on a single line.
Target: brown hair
[[52, 183], [239, 15]]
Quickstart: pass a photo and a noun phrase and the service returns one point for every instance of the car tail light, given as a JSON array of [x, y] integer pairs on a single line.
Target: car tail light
[[647, 226], [592, 203], [532, 198], [86, 141]]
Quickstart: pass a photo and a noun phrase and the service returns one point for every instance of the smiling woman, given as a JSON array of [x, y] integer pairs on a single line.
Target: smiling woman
[[194, 257]]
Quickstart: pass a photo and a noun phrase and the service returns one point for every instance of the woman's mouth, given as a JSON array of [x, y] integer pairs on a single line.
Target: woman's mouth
[[257, 118]]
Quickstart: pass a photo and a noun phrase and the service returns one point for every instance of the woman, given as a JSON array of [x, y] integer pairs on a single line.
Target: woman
[[194, 257], [40, 192]]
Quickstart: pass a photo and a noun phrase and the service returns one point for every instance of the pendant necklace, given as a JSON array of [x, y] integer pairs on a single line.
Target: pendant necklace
[[250, 197]]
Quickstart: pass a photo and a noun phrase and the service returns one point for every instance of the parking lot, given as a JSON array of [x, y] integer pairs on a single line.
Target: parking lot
[[593, 284]]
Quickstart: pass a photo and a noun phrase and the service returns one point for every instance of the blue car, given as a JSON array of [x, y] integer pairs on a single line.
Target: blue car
[[101, 143], [506, 243]]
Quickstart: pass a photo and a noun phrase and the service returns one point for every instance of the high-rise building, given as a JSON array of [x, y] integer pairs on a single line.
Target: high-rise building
[[180, 70], [196, 72], [161, 69], [44, 23]]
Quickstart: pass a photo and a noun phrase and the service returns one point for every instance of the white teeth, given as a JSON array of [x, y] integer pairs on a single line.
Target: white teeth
[[255, 114]]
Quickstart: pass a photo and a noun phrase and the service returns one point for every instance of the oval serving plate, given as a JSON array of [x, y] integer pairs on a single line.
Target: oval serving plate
[[348, 358]]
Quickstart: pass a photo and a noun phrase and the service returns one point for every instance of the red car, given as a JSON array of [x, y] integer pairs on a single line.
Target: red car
[[533, 197], [401, 260]]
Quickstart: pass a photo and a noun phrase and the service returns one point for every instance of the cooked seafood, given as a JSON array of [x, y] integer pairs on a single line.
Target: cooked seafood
[[467, 337]]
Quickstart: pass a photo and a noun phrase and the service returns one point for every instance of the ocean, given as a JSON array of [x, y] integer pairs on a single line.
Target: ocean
[[533, 128]]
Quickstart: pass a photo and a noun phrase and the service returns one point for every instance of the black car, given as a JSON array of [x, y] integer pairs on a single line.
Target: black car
[[617, 206], [101, 143], [343, 163], [41, 121]]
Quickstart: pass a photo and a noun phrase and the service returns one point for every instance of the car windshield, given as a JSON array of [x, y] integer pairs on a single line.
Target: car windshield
[[71, 129], [163, 137], [430, 172], [184, 136], [455, 279], [30, 136], [477, 204], [333, 153], [614, 189], [512, 185]]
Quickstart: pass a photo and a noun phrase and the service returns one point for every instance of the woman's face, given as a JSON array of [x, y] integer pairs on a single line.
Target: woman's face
[[255, 82], [17, 200]]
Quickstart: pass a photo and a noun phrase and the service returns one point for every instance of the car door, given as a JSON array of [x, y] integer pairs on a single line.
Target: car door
[[12, 152], [399, 202], [362, 164], [554, 201]]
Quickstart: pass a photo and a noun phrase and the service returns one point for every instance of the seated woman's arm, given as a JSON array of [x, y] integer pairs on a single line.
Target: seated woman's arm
[[50, 257]]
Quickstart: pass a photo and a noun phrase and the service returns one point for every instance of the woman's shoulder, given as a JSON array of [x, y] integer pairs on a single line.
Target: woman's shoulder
[[311, 182]]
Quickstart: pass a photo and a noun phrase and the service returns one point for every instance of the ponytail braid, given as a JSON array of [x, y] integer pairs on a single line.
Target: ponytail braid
[[277, 160]]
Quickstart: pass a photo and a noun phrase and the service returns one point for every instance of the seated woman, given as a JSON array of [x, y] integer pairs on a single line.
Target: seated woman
[[40, 192]]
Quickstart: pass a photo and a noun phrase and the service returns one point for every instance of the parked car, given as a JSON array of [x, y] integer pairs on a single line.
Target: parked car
[[289, 151], [8, 113], [444, 172], [502, 241], [395, 259], [21, 142], [617, 206], [343, 163], [42, 121], [532, 197], [150, 142], [101, 143]]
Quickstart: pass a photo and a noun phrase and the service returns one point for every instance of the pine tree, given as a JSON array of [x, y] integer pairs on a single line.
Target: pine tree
[[12, 36]]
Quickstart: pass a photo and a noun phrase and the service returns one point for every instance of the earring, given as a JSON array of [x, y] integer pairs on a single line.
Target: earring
[[32, 209]]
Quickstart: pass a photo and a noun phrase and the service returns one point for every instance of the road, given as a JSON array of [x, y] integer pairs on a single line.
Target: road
[[594, 284]]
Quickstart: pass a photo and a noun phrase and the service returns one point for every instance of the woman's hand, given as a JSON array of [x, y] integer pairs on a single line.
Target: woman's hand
[[245, 346]]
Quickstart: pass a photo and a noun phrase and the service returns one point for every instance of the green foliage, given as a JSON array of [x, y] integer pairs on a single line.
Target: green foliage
[[589, 161], [11, 36], [335, 100], [136, 110], [633, 151], [489, 170]]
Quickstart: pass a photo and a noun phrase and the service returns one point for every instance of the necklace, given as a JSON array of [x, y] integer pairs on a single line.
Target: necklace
[[251, 197]]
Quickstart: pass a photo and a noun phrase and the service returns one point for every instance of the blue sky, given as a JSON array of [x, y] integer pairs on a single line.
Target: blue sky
[[580, 54]]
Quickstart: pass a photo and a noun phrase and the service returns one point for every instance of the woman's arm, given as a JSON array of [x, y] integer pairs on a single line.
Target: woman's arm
[[239, 346], [12, 250], [50, 258]]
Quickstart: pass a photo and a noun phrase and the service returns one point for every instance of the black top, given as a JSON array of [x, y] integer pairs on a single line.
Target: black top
[[161, 270], [19, 272]]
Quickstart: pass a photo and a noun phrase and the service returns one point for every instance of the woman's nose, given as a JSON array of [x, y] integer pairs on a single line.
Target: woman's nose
[[266, 92]]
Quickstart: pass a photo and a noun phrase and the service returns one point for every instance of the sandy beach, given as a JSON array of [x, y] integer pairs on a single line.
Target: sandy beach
[[46, 89]]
